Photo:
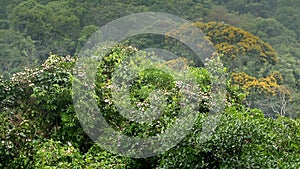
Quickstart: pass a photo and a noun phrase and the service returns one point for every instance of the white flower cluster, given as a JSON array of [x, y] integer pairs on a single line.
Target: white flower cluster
[[28, 76]]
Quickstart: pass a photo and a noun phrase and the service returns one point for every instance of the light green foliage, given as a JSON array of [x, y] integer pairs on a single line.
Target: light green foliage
[[243, 139], [53, 154], [150, 77], [98, 158]]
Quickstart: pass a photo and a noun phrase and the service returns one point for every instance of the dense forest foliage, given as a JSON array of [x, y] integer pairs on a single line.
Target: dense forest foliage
[[258, 42]]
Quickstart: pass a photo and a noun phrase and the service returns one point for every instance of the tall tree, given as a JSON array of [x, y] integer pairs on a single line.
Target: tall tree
[[53, 26], [16, 52]]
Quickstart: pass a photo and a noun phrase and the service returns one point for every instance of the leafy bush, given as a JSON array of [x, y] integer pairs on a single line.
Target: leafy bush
[[243, 139], [40, 128]]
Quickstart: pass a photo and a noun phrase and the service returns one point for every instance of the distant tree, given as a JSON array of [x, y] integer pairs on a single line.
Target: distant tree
[[221, 14], [241, 50], [53, 27], [289, 16], [85, 34], [16, 52]]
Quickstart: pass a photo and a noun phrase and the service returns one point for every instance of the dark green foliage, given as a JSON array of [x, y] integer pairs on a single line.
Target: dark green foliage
[[53, 27], [39, 126], [17, 51]]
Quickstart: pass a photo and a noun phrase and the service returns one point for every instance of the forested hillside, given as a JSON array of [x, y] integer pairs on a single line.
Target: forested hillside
[[257, 42]]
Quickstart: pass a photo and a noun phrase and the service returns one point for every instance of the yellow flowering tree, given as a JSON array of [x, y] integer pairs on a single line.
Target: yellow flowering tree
[[250, 61], [268, 93], [241, 50]]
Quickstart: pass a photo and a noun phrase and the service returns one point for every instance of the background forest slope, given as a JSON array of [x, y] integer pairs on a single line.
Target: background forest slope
[[258, 41]]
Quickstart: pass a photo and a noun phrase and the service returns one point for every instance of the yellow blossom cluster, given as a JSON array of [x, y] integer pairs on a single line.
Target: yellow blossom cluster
[[266, 85], [232, 41]]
